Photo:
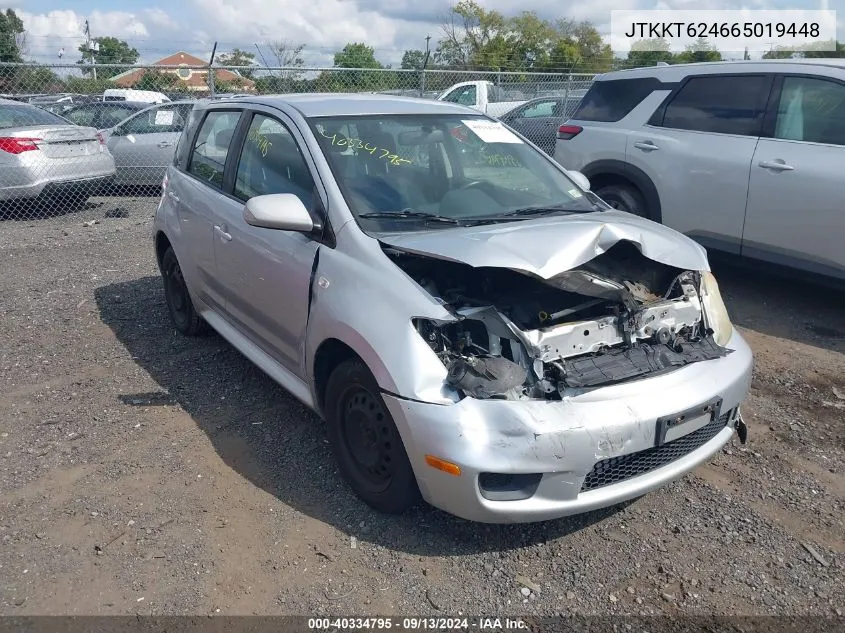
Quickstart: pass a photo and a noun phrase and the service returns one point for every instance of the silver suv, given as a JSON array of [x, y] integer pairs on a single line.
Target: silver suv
[[485, 334], [744, 157]]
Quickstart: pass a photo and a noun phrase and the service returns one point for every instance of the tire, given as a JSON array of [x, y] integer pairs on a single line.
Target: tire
[[183, 315], [365, 442], [625, 198]]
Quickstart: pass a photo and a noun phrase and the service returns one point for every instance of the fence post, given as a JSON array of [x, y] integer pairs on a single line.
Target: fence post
[[422, 82], [568, 88]]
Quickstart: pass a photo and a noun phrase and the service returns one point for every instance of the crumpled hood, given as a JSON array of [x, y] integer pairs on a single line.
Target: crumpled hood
[[549, 246]]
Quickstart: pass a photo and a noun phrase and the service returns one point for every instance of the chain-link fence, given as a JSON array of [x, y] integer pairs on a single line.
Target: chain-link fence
[[69, 133]]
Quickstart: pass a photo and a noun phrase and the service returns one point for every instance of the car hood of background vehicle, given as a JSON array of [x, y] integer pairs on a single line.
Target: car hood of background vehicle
[[552, 245]]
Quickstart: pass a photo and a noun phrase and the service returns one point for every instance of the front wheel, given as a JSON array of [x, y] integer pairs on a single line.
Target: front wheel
[[365, 441], [625, 198]]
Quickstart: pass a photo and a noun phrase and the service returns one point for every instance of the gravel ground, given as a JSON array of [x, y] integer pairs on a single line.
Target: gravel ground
[[143, 472]]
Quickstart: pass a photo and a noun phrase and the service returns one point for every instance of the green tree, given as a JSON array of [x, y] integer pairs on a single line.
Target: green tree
[[356, 55], [238, 58], [700, 51], [11, 37], [33, 78], [157, 81], [111, 51], [645, 53], [412, 60], [475, 38]]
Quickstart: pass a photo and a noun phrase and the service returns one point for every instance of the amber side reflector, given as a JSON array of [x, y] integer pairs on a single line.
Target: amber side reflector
[[442, 464]]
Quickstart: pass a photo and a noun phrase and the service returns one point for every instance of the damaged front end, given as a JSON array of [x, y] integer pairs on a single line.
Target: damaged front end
[[616, 318]]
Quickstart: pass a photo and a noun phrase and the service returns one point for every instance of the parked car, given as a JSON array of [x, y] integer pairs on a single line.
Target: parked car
[[43, 156], [539, 119], [484, 96], [744, 157], [143, 144], [61, 103], [102, 114], [495, 340], [129, 94]]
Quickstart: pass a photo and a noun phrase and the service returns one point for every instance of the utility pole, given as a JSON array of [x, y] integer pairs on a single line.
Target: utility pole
[[92, 48], [424, 64]]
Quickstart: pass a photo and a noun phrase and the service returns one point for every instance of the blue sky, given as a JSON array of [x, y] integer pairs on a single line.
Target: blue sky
[[157, 28]]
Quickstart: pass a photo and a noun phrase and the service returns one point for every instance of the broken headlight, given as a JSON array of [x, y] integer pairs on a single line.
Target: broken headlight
[[715, 310]]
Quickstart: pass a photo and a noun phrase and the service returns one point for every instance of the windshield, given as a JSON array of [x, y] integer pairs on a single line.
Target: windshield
[[25, 115], [406, 169]]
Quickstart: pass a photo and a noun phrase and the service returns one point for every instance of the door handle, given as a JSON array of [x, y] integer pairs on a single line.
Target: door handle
[[647, 146], [173, 196], [221, 231], [776, 165], [165, 144]]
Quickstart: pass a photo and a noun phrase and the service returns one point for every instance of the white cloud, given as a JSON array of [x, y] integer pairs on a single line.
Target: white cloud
[[158, 17]]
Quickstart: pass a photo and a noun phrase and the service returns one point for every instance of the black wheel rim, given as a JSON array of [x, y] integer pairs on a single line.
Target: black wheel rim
[[177, 292], [368, 438]]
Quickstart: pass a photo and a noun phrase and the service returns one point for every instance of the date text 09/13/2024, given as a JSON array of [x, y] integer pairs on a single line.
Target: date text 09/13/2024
[[415, 624]]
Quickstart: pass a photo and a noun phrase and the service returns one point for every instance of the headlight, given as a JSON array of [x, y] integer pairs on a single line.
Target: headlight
[[714, 309]]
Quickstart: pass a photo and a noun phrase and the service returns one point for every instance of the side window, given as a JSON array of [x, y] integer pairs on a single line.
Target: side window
[[211, 147], [462, 96], [156, 120], [81, 116], [719, 104], [542, 109], [811, 110], [271, 162], [112, 115], [612, 100]]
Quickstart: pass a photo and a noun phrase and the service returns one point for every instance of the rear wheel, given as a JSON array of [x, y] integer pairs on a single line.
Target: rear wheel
[[365, 441], [182, 312], [625, 198]]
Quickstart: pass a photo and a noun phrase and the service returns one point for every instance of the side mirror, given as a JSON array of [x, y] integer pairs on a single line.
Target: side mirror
[[117, 131], [280, 211], [580, 179]]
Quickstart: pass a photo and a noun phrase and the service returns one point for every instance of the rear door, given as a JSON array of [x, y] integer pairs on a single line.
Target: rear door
[[697, 149], [796, 194], [197, 193]]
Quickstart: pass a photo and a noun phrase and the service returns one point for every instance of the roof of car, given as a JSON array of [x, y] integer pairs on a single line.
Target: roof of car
[[334, 104], [678, 71]]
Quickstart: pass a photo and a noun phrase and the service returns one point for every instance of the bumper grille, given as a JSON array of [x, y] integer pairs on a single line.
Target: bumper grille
[[616, 469]]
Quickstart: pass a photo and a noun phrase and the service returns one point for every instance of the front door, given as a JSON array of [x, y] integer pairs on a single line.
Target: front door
[[796, 195], [266, 273]]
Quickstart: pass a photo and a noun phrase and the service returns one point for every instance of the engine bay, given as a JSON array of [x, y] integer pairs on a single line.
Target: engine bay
[[618, 317]]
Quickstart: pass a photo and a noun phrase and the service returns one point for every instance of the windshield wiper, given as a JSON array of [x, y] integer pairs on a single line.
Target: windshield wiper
[[543, 210], [408, 214]]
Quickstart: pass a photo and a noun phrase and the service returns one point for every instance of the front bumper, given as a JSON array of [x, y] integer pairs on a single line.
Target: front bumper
[[586, 452]]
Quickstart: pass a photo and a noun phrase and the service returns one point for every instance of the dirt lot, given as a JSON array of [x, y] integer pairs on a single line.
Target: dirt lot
[[145, 472]]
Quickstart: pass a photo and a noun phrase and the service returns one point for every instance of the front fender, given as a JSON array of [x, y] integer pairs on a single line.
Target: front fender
[[366, 302]]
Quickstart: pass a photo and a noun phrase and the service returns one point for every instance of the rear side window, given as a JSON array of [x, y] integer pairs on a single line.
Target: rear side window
[[211, 147], [720, 104], [612, 100]]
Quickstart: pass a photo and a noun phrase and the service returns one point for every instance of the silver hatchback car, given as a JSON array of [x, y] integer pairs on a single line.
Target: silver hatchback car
[[474, 326]]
